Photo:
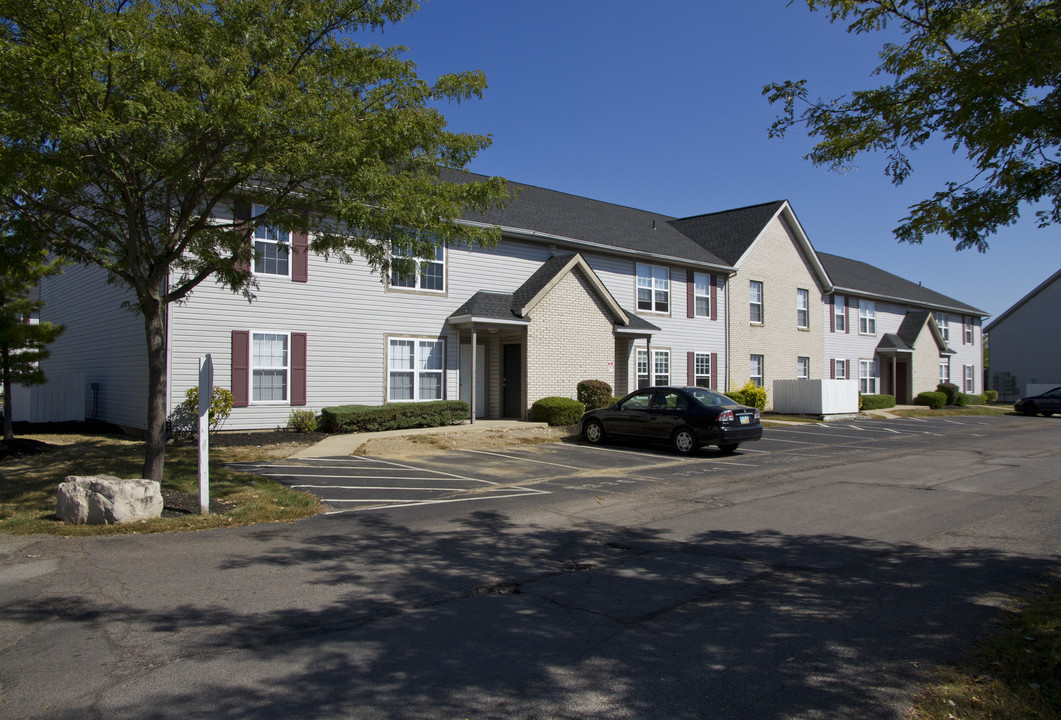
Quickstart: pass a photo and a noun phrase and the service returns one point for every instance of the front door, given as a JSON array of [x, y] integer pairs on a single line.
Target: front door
[[902, 383], [512, 381]]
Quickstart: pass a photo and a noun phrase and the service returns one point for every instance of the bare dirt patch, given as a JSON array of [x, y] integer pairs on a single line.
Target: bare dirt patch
[[419, 444]]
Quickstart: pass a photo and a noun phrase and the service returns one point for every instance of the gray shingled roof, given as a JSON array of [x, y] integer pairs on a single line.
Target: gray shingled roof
[[728, 234], [490, 305], [891, 341], [859, 277], [539, 279], [561, 215]]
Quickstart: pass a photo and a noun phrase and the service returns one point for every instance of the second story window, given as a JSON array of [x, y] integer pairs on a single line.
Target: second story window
[[653, 288], [755, 301], [867, 317], [272, 248], [419, 273], [944, 328], [702, 294], [802, 308], [839, 314], [968, 337]]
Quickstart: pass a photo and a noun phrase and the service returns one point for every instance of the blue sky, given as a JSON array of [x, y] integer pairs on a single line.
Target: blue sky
[[659, 106]]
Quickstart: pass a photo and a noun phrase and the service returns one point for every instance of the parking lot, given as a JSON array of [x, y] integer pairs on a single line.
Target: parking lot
[[354, 483]]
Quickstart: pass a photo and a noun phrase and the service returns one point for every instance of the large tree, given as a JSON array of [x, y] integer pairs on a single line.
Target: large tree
[[129, 128], [984, 75]]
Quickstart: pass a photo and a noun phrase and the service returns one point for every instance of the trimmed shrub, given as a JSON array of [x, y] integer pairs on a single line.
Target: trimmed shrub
[[184, 420], [991, 396], [392, 416], [876, 402], [950, 391], [750, 394], [557, 411], [594, 394], [964, 399], [302, 421], [934, 400]]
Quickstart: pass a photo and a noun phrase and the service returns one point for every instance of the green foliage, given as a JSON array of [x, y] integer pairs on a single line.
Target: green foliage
[[302, 421], [557, 411], [934, 400], [594, 394], [184, 420], [951, 391], [965, 400], [979, 75], [750, 394], [991, 396], [392, 416], [876, 402]]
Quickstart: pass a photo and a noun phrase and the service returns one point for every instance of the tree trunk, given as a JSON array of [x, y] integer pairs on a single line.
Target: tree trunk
[[155, 328]]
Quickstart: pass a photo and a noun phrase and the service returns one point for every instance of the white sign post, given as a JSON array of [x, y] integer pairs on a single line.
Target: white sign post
[[206, 395]]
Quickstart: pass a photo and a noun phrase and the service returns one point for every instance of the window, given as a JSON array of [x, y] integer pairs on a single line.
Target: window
[[839, 314], [944, 328], [414, 370], [840, 369], [419, 273], [867, 317], [702, 295], [702, 370], [968, 339], [968, 373], [271, 248], [802, 368], [269, 367], [802, 309], [653, 288], [756, 370], [660, 368], [867, 377], [755, 300], [944, 371]]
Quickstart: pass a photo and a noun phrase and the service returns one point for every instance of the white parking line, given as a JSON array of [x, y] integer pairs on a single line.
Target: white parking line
[[524, 459], [375, 487], [389, 505]]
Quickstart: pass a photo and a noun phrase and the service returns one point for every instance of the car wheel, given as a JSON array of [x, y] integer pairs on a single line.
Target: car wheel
[[1029, 409], [593, 432], [728, 448], [684, 441]]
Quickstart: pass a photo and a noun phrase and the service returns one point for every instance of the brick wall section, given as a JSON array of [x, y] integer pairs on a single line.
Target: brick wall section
[[570, 339], [776, 261]]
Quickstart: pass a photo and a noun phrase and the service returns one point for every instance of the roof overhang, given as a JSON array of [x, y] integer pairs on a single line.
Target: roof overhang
[[468, 320], [906, 301]]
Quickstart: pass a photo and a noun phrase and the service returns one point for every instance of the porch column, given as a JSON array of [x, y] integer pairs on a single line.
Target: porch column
[[895, 376], [471, 392]]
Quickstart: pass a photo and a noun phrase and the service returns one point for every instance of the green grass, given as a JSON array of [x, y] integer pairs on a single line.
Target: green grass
[[28, 485], [1014, 674], [952, 411]]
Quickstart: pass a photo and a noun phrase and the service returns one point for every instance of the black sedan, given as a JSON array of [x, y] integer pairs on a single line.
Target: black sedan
[[686, 418], [1048, 403]]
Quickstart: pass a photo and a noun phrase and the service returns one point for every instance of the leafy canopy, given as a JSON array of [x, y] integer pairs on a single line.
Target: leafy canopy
[[984, 75]]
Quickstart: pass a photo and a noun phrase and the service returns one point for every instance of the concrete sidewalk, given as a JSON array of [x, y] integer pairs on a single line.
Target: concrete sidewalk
[[347, 444]]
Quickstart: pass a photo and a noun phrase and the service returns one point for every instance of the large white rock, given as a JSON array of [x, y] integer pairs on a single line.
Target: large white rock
[[106, 500]]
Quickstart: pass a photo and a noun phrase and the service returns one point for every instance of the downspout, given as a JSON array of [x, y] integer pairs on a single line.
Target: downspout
[[725, 384]]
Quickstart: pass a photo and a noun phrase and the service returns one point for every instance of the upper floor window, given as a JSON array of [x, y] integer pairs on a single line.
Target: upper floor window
[[272, 248], [414, 369], [660, 368], [868, 377], [269, 367], [839, 314], [968, 331], [867, 317], [653, 288], [802, 308], [757, 369], [944, 328], [755, 301], [702, 295], [418, 272], [803, 368]]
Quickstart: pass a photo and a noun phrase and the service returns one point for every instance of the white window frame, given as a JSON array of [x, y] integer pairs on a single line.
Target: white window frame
[[759, 378], [868, 377], [655, 280], [802, 308], [258, 366], [803, 368], [271, 239], [840, 369], [968, 379], [944, 371], [701, 294], [402, 282], [967, 328], [417, 370], [755, 301], [839, 313], [867, 317], [702, 369], [660, 368], [944, 326]]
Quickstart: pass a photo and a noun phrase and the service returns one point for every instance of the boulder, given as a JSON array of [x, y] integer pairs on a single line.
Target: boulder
[[106, 500]]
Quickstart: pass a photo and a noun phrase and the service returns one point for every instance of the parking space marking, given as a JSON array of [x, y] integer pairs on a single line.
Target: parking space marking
[[524, 459]]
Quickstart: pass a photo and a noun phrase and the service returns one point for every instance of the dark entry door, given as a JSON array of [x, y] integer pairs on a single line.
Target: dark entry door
[[902, 385], [512, 381]]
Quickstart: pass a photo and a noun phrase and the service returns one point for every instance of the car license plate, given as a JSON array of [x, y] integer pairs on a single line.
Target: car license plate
[[744, 419]]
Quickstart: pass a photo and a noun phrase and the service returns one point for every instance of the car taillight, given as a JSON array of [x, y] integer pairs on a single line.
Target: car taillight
[[757, 416], [726, 416]]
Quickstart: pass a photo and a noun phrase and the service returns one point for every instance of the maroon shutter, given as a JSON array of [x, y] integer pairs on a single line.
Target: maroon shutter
[[714, 312], [298, 368], [299, 257], [690, 369], [240, 368], [832, 369], [832, 313], [714, 361], [847, 315], [241, 212], [690, 294]]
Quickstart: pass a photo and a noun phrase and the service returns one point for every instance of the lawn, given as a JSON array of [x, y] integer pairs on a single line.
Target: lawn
[[28, 485]]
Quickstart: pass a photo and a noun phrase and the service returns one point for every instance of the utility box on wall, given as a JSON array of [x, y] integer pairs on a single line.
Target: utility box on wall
[[828, 399]]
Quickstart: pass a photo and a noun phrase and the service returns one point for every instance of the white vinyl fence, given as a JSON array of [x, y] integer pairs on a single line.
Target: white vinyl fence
[[816, 397], [60, 399]]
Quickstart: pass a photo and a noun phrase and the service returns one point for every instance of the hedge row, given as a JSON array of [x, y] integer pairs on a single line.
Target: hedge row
[[392, 416], [876, 402], [557, 411], [934, 400]]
